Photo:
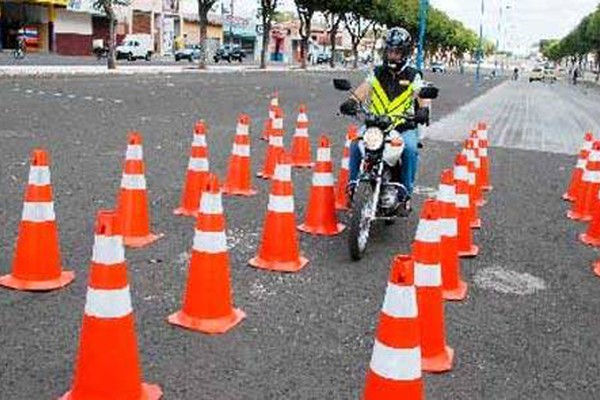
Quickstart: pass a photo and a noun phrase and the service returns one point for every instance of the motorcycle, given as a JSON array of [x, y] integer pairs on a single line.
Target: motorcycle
[[375, 196]]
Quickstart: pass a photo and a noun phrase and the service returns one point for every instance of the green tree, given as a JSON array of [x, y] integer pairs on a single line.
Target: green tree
[[204, 6], [306, 10], [108, 6], [266, 13]]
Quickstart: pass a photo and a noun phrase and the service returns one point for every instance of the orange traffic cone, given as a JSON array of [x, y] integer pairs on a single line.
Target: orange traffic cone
[[268, 125], [474, 154], [571, 193], [482, 133], [301, 152], [341, 192], [587, 196], [474, 168], [207, 303], [275, 146], [108, 365], [197, 170], [279, 249], [437, 356], [320, 215], [239, 176], [597, 267], [453, 287], [466, 248], [462, 172], [482, 129], [37, 261], [132, 202], [395, 368]]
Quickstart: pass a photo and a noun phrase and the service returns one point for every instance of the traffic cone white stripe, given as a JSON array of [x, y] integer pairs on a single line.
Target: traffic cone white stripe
[[198, 164], [301, 132], [472, 178], [345, 163], [199, 140], [462, 201], [278, 123], [210, 242], [133, 182], [103, 303], [400, 301], [322, 179], [134, 152], [483, 152], [581, 163], [323, 154], [594, 156], [211, 203], [276, 141], [483, 134], [396, 364], [302, 117], [428, 275], [461, 173], [38, 212], [446, 193], [281, 204], [241, 150], [588, 144], [428, 231], [448, 227], [108, 250], [39, 176], [283, 173], [243, 130], [591, 176]]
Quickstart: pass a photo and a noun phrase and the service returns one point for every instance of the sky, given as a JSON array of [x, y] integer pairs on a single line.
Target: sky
[[524, 22]]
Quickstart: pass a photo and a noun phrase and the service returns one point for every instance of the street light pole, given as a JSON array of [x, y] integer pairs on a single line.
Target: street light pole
[[231, 26], [423, 7], [480, 49]]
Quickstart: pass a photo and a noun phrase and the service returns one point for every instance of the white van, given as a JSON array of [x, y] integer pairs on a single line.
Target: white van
[[134, 47]]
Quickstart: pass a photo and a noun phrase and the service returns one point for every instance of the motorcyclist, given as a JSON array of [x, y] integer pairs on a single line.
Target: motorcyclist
[[392, 89]]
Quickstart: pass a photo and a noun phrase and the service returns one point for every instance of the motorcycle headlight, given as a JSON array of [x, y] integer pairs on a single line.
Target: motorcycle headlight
[[373, 138]]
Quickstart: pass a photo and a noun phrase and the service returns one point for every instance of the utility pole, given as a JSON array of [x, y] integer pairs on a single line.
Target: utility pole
[[231, 26], [423, 7], [480, 47]]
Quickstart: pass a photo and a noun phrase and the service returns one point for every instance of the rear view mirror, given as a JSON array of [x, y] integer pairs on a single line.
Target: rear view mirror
[[429, 92], [342, 84]]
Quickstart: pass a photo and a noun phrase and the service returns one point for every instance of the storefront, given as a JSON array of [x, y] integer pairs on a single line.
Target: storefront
[[35, 18], [240, 32]]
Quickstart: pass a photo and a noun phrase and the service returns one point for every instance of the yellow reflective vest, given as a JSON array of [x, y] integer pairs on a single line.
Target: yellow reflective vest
[[395, 108]]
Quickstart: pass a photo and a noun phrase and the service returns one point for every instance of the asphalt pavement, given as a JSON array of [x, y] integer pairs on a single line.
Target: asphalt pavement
[[528, 329]]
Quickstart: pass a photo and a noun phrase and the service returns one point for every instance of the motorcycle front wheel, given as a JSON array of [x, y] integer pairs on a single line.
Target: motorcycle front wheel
[[359, 225]]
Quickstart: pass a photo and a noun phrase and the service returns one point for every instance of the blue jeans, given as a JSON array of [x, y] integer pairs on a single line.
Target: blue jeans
[[410, 159]]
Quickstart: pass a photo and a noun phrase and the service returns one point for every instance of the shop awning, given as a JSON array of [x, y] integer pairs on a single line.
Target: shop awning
[[60, 3]]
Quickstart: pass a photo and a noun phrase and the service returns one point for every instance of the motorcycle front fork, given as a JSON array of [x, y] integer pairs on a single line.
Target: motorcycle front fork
[[376, 192]]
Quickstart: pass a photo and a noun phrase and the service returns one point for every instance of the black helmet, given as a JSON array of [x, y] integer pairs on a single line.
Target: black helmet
[[398, 39]]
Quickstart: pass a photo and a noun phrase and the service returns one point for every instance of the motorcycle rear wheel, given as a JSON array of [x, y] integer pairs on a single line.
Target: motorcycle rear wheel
[[360, 220]]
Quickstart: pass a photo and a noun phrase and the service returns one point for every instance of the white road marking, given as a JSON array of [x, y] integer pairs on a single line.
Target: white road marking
[[506, 281]]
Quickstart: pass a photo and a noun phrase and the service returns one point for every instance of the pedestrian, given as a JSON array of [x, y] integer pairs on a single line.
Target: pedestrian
[[575, 74]]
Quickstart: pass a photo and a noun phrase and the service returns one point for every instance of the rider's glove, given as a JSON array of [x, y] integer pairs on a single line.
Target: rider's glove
[[422, 116], [349, 107]]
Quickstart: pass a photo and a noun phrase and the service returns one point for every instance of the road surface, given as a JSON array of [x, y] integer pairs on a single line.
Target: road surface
[[528, 330]]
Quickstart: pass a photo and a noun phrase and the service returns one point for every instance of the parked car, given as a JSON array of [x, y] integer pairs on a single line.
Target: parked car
[[134, 47], [323, 58], [549, 75], [438, 67], [190, 53], [536, 74], [229, 53]]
